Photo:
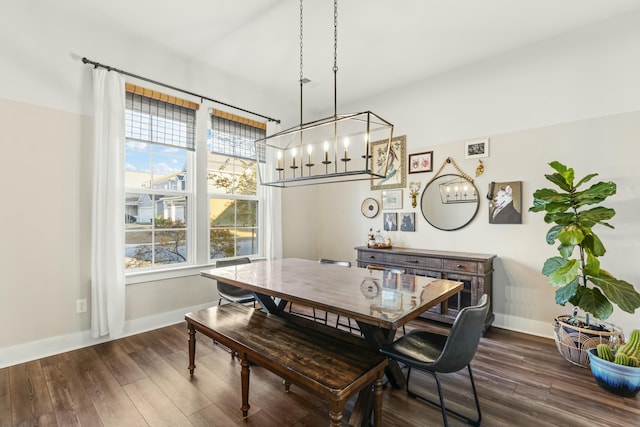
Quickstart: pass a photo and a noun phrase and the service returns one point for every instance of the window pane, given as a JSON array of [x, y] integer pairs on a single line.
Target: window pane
[[222, 213], [170, 246], [247, 239], [137, 249], [246, 213], [222, 243], [231, 175]]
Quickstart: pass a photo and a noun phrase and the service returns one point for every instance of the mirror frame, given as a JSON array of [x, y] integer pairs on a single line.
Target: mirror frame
[[433, 182]]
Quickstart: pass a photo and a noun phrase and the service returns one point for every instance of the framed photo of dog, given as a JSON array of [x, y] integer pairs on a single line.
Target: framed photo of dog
[[505, 202]]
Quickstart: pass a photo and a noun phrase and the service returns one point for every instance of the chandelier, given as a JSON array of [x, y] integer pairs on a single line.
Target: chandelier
[[342, 147]]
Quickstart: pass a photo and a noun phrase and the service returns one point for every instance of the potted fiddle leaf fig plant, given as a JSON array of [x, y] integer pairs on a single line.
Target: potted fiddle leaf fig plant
[[576, 272]]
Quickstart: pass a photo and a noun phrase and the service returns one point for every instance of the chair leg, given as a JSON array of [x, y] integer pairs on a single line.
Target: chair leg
[[441, 405]]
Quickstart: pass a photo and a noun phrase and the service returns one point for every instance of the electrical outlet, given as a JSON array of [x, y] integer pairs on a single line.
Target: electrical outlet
[[81, 306]]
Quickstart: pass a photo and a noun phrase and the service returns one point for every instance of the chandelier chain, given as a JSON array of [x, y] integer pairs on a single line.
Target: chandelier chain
[[301, 44], [335, 36]]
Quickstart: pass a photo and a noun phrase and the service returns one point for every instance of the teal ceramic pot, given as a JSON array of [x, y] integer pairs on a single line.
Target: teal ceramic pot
[[617, 379]]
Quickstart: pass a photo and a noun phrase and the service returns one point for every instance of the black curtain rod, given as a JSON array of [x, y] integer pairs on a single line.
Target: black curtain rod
[[108, 68]]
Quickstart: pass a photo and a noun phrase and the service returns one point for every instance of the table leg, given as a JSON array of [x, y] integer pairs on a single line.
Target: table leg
[[244, 374], [377, 338], [192, 349]]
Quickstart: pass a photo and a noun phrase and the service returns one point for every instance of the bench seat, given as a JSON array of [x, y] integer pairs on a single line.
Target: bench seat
[[323, 364]]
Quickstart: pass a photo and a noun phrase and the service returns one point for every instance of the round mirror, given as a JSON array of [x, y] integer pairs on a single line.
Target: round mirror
[[449, 202]]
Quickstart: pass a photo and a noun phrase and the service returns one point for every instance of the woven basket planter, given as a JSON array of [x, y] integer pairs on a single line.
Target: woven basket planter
[[573, 342]]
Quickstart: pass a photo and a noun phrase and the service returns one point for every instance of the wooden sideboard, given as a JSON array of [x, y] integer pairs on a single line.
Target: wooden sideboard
[[474, 270]]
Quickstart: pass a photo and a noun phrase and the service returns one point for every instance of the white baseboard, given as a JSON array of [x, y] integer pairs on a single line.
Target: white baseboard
[[10, 356], [34, 350], [526, 326]]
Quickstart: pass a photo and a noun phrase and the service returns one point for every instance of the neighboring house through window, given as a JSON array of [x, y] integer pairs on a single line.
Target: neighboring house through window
[[159, 148]]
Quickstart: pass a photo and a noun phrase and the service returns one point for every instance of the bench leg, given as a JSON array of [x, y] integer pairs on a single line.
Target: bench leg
[[377, 398], [245, 386], [192, 349], [335, 413]]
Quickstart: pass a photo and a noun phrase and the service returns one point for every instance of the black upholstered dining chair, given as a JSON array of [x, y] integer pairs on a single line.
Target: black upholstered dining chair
[[314, 315], [434, 353], [233, 293]]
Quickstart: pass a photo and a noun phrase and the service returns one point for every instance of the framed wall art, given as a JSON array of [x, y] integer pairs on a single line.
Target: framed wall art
[[392, 199], [390, 221], [408, 221], [476, 148], [505, 202], [421, 162], [396, 170]]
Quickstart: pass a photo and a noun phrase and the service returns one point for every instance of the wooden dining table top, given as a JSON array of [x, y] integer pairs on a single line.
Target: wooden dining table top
[[378, 298]]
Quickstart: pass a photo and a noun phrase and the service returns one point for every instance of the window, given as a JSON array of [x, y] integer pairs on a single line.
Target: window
[[231, 183], [159, 149]]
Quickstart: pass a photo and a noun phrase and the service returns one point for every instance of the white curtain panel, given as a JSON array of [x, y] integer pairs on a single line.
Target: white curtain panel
[[107, 257], [272, 213]]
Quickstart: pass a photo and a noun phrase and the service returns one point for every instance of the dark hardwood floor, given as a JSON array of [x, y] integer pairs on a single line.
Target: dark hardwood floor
[[143, 380]]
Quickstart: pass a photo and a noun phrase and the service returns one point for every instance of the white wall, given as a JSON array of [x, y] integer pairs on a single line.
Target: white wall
[[574, 99], [45, 102]]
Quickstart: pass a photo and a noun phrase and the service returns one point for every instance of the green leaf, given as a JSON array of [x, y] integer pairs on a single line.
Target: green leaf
[[594, 194], [585, 179], [560, 218], [552, 264], [560, 181], [565, 250], [592, 301], [567, 173], [621, 293], [571, 236], [565, 293], [597, 214], [552, 234], [592, 266], [565, 274], [593, 244]]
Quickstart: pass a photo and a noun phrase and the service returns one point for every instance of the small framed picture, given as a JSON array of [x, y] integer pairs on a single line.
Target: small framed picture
[[390, 221], [421, 162], [408, 221], [392, 199], [476, 148]]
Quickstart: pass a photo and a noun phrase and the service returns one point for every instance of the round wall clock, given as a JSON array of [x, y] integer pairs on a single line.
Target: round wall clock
[[370, 207]]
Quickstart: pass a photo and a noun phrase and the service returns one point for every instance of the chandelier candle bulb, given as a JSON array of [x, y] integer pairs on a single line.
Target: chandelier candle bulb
[[346, 148], [326, 152], [309, 150], [279, 156], [293, 156]]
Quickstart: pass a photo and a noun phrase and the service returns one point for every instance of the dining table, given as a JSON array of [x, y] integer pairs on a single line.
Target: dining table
[[379, 301]]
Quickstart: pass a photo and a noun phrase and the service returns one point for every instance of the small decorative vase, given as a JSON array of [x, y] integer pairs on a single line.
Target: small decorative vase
[[620, 380]]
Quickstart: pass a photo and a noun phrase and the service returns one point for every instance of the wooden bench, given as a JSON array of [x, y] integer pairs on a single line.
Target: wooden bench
[[323, 364]]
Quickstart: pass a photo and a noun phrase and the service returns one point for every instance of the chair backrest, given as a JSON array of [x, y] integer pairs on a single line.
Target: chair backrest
[[464, 337], [333, 261], [224, 287], [391, 270], [234, 261]]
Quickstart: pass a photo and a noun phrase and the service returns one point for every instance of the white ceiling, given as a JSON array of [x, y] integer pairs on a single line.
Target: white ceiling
[[382, 44]]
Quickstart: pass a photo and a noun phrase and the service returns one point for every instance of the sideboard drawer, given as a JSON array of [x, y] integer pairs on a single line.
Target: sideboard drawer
[[415, 261], [372, 257], [458, 265]]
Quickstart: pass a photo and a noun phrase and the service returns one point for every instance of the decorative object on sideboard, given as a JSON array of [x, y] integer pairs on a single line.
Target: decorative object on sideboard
[[333, 149], [421, 162], [394, 160], [476, 148], [505, 202], [414, 188], [453, 209], [391, 199], [370, 207]]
